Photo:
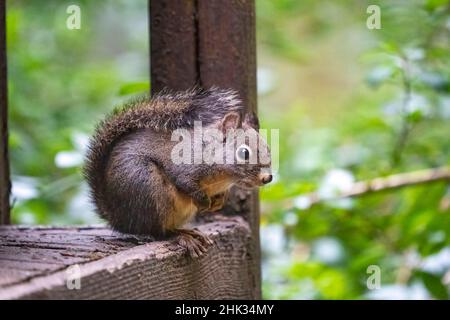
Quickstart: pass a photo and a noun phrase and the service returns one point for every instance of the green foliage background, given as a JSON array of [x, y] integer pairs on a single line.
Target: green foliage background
[[351, 104]]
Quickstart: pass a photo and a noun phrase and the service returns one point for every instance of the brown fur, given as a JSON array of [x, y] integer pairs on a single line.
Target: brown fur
[[184, 210], [216, 184]]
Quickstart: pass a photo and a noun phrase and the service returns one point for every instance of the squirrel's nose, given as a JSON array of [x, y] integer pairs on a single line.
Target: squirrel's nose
[[266, 178]]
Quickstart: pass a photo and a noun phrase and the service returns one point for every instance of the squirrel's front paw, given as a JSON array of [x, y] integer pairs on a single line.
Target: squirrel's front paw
[[218, 201], [203, 202]]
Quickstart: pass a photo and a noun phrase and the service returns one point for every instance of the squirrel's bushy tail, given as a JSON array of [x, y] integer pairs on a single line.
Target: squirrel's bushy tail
[[164, 112]]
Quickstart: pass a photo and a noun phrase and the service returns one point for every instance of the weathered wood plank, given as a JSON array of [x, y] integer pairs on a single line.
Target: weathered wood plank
[[5, 185], [61, 241], [173, 58], [227, 59], [151, 270], [9, 275], [40, 250]]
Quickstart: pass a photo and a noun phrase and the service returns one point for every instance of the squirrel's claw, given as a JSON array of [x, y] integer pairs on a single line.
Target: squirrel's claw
[[195, 242], [204, 238]]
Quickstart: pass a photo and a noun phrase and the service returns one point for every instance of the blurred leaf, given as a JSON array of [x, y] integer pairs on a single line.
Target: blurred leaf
[[134, 88], [434, 285], [434, 4], [415, 116]]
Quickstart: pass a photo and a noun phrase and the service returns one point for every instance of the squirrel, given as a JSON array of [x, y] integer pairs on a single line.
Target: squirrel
[[137, 187]]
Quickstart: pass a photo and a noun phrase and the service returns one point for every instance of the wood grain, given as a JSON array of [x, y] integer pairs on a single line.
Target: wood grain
[[173, 48], [5, 184], [116, 266]]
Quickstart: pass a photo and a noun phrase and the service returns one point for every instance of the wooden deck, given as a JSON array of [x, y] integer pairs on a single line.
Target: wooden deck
[[35, 262]]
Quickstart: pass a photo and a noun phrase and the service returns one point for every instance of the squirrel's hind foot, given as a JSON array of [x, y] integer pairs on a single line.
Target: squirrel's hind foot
[[193, 241]]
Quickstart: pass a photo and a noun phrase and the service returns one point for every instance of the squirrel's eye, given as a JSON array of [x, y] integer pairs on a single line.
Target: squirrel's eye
[[243, 153]]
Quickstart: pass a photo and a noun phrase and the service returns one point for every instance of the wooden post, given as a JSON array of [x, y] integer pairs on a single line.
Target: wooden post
[[5, 185], [227, 59], [210, 43], [173, 47]]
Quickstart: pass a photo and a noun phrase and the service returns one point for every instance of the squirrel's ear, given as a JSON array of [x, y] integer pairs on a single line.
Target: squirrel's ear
[[230, 121], [250, 120]]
